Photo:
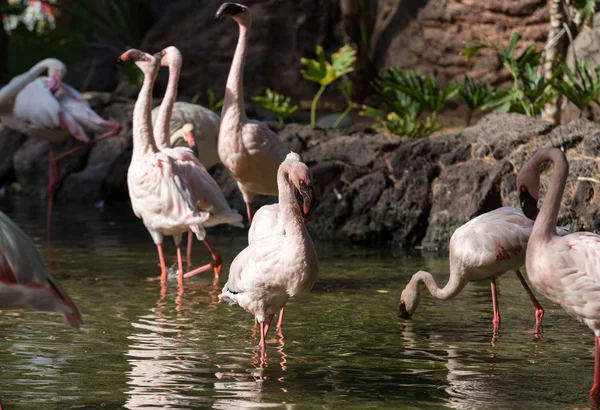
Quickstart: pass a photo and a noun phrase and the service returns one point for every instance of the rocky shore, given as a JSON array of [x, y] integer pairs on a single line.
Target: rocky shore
[[371, 187]]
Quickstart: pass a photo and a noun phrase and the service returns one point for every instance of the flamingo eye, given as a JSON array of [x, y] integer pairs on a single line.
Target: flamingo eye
[[523, 189]]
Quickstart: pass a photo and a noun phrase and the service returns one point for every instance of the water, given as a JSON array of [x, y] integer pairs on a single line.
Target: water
[[341, 347]]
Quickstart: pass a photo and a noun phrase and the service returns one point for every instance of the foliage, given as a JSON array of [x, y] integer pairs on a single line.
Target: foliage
[[213, 104], [346, 89], [475, 95], [406, 95], [530, 91], [276, 103], [324, 72], [580, 87]]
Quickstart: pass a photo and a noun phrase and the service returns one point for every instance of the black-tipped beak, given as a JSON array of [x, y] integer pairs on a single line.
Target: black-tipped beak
[[119, 61], [308, 199], [402, 312], [528, 204], [229, 9]]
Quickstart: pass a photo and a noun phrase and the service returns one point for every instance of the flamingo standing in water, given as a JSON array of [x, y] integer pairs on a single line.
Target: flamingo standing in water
[[48, 109], [207, 193], [248, 149], [158, 187], [281, 265], [24, 280], [564, 269], [485, 247]]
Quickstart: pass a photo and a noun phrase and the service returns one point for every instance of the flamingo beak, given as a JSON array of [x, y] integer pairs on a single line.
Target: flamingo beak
[[229, 9], [402, 312], [528, 203], [55, 82], [308, 199]]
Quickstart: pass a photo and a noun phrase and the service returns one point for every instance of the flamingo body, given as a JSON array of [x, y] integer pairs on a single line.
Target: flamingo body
[[24, 280]]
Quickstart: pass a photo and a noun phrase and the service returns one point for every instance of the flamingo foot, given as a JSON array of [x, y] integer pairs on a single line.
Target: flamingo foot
[[249, 212]]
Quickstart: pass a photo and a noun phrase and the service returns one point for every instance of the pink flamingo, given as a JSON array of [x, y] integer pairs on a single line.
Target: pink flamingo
[[209, 197], [24, 280], [48, 109], [248, 149], [564, 269], [158, 188], [485, 247], [275, 267], [266, 220]]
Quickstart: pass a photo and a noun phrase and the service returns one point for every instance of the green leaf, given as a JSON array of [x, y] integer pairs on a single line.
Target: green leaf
[[276, 103], [469, 52], [323, 72]]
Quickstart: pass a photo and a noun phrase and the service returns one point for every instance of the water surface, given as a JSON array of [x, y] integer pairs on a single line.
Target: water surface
[[342, 345]]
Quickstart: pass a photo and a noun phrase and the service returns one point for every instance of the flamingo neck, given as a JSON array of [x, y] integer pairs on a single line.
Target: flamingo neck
[[452, 288], [290, 215], [233, 104], [143, 141], [545, 223], [16, 84], [162, 127]]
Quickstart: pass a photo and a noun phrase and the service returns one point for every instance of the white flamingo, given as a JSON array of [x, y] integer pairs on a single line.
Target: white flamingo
[[485, 247], [564, 269], [48, 109], [24, 280], [281, 265], [159, 190], [207, 193], [248, 149]]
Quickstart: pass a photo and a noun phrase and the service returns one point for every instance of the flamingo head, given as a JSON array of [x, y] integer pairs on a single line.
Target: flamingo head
[[528, 184], [169, 56], [409, 301], [300, 176], [141, 59], [188, 134], [56, 71], [238, 12]]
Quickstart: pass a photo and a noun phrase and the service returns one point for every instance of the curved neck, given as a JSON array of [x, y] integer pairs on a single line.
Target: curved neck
[[290, 216], [233, 104], [545, 223], [16, 84], [452, 288], [162, 127], [143, 141]]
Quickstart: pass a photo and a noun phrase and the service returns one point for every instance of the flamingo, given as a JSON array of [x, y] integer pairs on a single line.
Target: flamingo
[[248, 149], [207, 193], [564, 269], [485, 247], [278, 266], [48, 109], [158, 188], [24, 280], [266, 219]]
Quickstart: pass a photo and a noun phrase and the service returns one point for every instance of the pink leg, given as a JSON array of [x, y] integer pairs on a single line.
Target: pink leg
[[539, 310], [216, 264], [280, 321], [595, 391], [262, 335], [115, 130], [189, 247], [496, 320], [179, 265], [249, 212], [53, 175], [163, 266], [268, 325]]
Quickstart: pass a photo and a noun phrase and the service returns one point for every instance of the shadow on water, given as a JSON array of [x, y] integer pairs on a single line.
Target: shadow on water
[[147, 346]]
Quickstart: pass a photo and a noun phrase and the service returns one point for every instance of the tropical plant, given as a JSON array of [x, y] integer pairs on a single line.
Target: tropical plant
[[406, 95], [346, 89], [213, 104], [276, 103], [475, 94], [324, 72], [580, 86]]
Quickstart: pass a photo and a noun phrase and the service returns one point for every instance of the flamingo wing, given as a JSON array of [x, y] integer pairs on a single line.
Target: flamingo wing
[[36, 105], [81, 111], [265, 222]]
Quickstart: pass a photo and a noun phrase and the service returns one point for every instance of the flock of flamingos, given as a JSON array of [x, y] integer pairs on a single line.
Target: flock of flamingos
[[172, 193]]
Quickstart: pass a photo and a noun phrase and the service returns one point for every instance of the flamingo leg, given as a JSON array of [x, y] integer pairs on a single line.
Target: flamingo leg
[[268, 325], [249, 212], [114, 131], [496, 320], [190, 242], [53, 175], [163, 266], [595, 391], [216, 264], [262, 335], [539, 310], [179, 265], [280, 321]]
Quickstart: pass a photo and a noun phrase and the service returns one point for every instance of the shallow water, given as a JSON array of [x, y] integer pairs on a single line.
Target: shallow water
[[341, 347]]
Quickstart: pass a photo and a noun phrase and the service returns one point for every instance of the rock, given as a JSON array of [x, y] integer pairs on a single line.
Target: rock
[[330, 119], [96, 72], [10, 142]]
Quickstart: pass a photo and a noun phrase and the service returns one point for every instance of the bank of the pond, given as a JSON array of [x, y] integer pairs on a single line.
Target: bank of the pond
[[371, 187]]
